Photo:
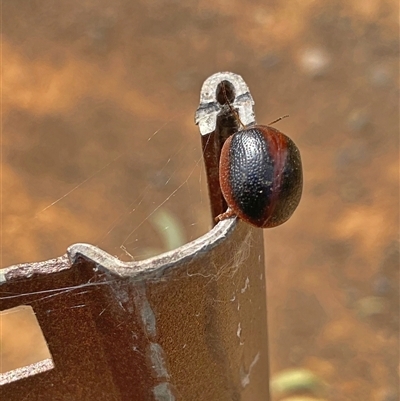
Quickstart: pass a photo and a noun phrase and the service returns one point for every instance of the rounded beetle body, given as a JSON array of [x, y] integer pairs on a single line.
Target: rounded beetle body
[[261, 176]]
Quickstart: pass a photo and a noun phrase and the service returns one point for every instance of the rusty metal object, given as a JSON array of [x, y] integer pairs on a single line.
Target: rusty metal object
[[216, 123], [189, 324]]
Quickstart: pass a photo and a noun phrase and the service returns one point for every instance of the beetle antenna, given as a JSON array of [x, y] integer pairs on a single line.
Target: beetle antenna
[[279, 119]]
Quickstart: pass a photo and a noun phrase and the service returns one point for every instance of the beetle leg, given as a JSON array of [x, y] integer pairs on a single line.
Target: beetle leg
[[223, 216]]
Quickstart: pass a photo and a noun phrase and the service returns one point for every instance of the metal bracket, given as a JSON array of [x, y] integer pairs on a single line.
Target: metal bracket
[[189, 324], [216, 123]]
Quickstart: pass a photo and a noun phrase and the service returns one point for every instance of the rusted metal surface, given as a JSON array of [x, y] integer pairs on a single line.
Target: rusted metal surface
[[216, 123], [189, 324]]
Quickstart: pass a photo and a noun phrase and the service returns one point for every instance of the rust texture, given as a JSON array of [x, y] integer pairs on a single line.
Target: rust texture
[[189, 324]]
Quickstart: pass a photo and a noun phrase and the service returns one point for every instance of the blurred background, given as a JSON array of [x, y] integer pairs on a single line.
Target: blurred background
[[99, 145]]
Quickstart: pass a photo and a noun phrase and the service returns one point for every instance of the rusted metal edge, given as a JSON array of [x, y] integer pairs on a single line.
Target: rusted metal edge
[[150, 268], [26, 371]]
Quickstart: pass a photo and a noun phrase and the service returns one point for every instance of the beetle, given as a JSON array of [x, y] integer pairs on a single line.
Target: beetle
[[260, 175]]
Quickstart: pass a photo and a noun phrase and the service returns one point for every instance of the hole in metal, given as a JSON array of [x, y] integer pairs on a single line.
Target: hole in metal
[[225, 92], [24, 351]]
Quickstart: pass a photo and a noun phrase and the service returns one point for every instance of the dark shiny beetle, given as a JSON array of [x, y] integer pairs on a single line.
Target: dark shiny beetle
[[260, 176]]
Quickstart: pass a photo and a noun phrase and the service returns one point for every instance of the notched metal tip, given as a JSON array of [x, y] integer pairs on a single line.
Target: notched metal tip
[[211, 105], [217, 121]]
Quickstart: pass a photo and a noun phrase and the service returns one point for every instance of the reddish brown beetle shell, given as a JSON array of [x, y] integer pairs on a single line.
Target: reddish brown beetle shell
[[261, 176]]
